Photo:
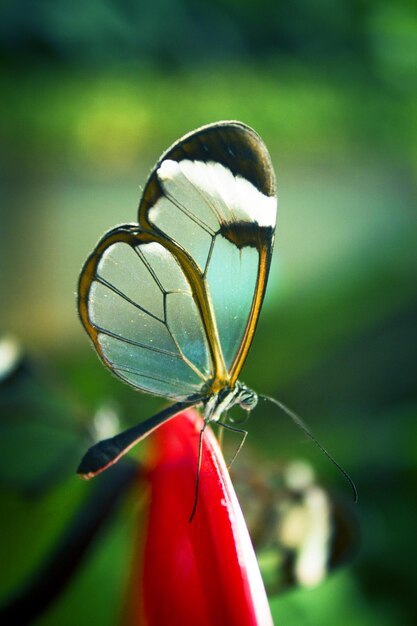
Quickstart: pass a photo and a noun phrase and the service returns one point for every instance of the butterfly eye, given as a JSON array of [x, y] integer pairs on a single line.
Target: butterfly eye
[[247, 399]]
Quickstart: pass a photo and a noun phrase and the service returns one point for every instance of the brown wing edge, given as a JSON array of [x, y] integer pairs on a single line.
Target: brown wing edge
[[125, 233], [265, 256]]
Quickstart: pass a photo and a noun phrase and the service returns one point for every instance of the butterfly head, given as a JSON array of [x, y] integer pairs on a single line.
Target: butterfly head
[[228, 397], [246, 398]]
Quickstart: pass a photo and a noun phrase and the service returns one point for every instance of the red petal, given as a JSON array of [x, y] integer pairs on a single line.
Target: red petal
[[202, 573]]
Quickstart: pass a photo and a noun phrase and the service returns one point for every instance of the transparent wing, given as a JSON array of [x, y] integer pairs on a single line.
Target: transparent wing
[[171, 304], [212, 195], [138, 308]]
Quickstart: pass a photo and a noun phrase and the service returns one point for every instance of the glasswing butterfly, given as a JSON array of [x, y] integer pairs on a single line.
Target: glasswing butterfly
[[171, 303]]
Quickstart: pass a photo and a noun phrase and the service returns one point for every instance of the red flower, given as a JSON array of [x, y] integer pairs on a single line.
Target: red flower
[[199, 573]]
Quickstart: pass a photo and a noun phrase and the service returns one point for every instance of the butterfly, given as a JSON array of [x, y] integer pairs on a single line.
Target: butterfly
[[171, 303]]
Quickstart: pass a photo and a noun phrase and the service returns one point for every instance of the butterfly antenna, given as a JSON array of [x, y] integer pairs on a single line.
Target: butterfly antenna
[[299, 422], [197, 478]]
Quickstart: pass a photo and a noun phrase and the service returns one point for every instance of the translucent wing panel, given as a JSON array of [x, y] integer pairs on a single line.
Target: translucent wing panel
[[144, 320], [185, 325], [163, 267], [112, 313], [156, 372], [232, 277], [119, 266], [221, 220], [181, 226], [184, 189]]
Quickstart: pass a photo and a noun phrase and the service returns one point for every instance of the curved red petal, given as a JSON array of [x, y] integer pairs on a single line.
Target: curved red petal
[[205, 572]]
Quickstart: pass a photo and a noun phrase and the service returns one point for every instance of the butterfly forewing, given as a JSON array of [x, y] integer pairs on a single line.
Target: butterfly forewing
[[213, 195]]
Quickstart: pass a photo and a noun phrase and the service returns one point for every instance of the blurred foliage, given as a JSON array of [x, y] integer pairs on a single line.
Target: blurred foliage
[[174, 34], [169, 33], [108, 121], [91, 95]]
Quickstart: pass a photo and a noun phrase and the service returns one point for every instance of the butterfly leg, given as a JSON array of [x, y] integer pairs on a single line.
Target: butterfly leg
[[235, 430], [197, 480]]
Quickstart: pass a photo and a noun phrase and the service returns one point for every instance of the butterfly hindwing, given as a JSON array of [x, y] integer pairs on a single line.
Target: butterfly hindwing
[[138, 309]]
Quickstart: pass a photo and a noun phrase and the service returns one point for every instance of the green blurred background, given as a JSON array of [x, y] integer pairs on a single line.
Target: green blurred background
[[92, 93]]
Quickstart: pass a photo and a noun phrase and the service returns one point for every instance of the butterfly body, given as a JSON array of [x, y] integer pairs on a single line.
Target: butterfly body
[[227, 398], [171, 303]]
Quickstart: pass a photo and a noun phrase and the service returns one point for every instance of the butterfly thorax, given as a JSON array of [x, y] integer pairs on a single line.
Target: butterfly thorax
[[228, 397]]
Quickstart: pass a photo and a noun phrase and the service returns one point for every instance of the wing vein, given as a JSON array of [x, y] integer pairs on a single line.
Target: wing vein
[[138, 344], [209, 255], [184, 358], [119, 293], [170, 381], [211, 207], [189, 214], [149, 268]]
